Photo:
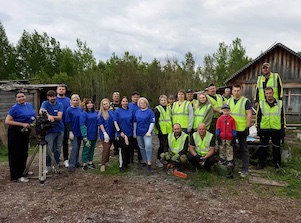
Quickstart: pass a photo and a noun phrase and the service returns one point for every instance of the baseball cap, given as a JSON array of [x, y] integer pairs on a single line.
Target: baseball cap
[[189, 91], [266, 65], [225, 106], [135, 93]]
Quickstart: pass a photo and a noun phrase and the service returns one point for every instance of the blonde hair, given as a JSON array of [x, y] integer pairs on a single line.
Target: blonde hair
[[102, 112], [197, 104], [142, 99], [162, 96], [75, 96]]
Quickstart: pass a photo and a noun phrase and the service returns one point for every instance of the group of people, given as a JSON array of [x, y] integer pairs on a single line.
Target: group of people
[[187, 128]]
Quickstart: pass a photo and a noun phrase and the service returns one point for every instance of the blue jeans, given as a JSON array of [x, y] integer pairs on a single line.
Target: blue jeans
[[55, 141], [74, 154], [145, 145]]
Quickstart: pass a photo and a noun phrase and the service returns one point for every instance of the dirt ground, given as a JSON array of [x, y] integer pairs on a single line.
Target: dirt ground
[[92, 197]]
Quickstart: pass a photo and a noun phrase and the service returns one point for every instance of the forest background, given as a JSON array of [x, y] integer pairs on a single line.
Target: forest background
[[41, 59]]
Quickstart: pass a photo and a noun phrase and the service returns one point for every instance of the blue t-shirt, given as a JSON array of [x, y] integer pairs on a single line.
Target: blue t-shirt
[[54, 109], [72, 117], [89, 119], [124, 118], [66, 104], [143, 118], [23, 113], [133, 107], [108, 124]]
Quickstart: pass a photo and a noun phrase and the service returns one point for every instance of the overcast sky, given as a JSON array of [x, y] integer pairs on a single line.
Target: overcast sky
[[157, 28]]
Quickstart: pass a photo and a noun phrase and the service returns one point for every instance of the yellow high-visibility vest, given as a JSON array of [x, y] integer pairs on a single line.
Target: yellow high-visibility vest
[[202, 146], [176, 145]]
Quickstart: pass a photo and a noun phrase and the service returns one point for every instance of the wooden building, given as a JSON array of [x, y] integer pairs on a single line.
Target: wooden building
[[35, 94], [287, 64]]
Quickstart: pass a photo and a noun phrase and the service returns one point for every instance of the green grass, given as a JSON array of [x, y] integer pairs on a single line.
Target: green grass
[[3, 154]]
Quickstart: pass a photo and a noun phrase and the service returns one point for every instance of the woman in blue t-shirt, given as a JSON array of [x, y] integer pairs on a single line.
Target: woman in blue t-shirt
[[106, 131], [144, 121], [123, 121], [19, 118], [72, 117], [88, 127]]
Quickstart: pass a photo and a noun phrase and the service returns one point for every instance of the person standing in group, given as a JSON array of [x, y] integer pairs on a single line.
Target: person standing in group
[[123, 122], [88, 127], [163, 126], [182, 112], [73, 114], [271, 123], [202, 148], [133, 106], [18, 119], [241, 111], [106, 130], [171, 100], [227, 94], [268, 79], [61, 97], [216, 101], [55, 136], [203, 112], [225, 134], [189, 97], [144, 121], [114, 104]]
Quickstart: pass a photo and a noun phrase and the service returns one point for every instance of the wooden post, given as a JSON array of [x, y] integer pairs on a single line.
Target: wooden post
[[3, 134]]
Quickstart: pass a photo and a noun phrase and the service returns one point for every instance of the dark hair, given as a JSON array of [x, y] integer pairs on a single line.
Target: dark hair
[[51, 93], [135, 93], [237, 86], [19, 92], [210, 85], [87, 101], [268, 88]]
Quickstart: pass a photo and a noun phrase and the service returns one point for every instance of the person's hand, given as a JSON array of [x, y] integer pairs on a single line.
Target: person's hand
[[198, 158], [106, 137], [258, 132], [282, 133], [219, 140], [71, 135], [148, 134], [126, 140], [85, 139], [247, 131], [188, 130], [51, 118], [175, 157], [88, 143]]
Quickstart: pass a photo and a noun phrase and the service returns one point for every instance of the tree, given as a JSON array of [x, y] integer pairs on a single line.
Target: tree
[[7, 56]]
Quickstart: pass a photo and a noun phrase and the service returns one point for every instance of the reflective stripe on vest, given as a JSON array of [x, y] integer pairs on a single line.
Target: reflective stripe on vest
[[271, 116], [218, 103], [238, 112], [180, 113], [202, 146], [272, 82], [176, 145], [199, 115], [164, 119]]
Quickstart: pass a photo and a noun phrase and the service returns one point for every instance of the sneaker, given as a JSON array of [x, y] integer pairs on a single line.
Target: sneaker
[[91, 166], [149, 169], [47, 170], [121, 169], [159, 164], [230, 164], [244, 174], [85, 167], [103, 168], [222, 162], [23, 180], [66, 163]]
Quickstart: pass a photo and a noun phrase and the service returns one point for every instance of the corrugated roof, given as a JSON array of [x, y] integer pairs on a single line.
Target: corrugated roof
[[261, 56]]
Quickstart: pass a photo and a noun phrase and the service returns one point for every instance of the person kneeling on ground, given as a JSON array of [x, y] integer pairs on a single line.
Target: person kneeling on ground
[[201, 148], [178, 146]]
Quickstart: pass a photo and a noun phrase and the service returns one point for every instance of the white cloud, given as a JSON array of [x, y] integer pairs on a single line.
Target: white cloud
[[157, 28]]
